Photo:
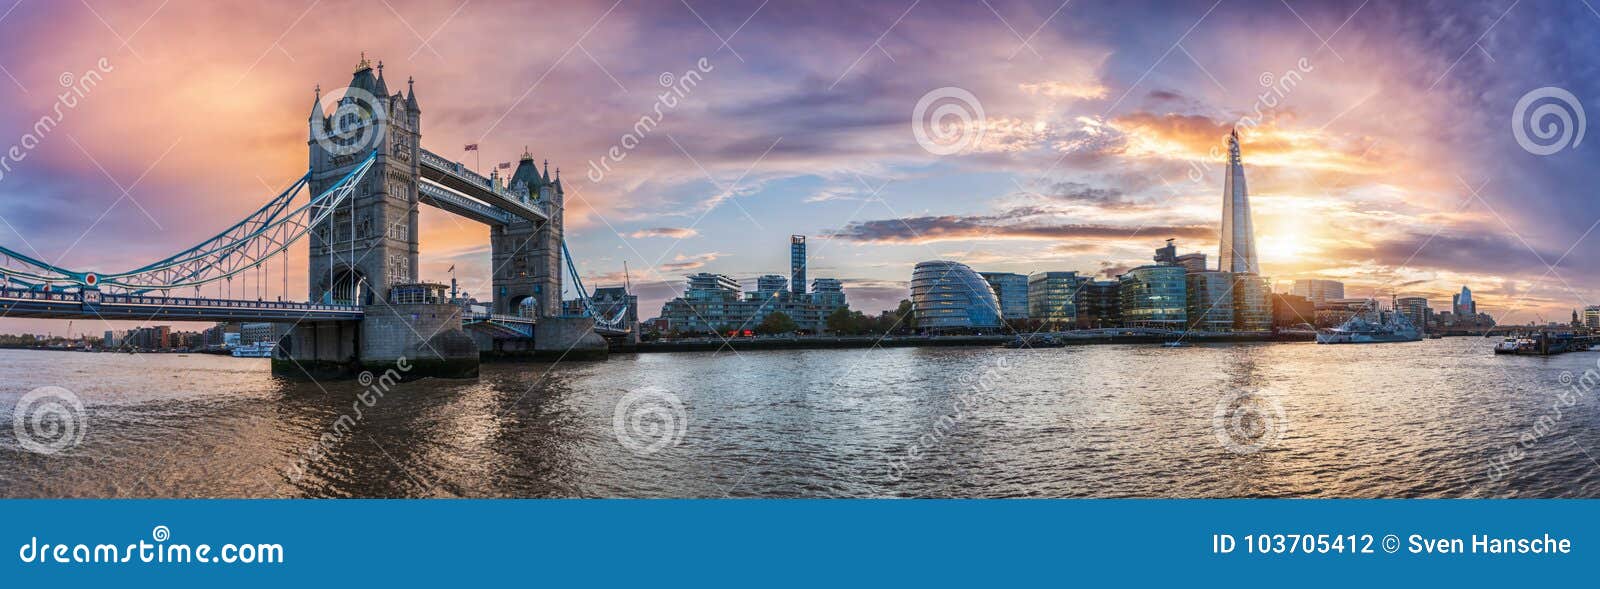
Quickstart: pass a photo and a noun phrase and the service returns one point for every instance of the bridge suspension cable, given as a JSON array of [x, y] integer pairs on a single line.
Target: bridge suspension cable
[[617, 321], [243, 247]]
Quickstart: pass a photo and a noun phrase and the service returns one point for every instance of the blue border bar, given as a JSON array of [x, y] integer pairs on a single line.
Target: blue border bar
[[817, 543]]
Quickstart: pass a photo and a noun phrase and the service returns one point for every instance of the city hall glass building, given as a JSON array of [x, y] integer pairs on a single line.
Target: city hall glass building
[[949, 296]]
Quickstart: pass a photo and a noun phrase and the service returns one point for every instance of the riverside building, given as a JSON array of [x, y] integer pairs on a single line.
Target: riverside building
[[1154, 297], [1052, 298], [949, 296], [1012, 291]]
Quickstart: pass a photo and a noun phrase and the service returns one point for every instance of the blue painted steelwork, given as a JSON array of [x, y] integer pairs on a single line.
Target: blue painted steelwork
[[93, 304], [246, 245], [614, 323]]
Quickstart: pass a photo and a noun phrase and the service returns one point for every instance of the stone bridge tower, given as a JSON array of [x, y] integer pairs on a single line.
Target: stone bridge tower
[[371, 241], [526, 256]]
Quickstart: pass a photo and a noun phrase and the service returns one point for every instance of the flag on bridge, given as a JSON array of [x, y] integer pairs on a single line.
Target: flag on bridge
[[470, 147], [505, 165], [452, 268]]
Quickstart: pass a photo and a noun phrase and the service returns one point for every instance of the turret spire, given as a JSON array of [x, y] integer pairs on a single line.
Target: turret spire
[[411, 95]]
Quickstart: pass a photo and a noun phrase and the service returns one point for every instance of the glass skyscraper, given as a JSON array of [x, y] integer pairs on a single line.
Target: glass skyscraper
[[797, 264], [1238, 253]]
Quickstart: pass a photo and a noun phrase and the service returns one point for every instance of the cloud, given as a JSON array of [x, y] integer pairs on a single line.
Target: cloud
[[686, 262], [1072, 90], [673, 232], [916, 230]]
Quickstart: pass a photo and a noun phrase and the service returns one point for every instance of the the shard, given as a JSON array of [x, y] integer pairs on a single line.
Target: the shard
[[1238, 234]]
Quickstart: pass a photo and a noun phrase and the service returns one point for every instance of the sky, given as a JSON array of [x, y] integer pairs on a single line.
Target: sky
[[1381, 140]]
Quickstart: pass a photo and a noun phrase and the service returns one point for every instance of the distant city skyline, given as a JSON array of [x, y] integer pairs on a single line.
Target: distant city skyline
[[1378, 139]]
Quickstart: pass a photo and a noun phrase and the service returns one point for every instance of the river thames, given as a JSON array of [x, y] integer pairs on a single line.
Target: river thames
[[1437, 418]]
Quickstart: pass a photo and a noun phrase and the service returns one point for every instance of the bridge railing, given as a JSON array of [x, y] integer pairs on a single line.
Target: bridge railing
[[123, 299], [467, 174]]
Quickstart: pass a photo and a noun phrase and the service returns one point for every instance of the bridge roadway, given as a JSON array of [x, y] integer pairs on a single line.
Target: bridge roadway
[[36, 304], [97, 305], [459, 178]]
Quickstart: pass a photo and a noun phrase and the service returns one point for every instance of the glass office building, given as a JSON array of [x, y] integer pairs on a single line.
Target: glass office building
[[1012, 291], [1210, 301], [949, 296], [1154, 297], [1099, 304], [1252, 303], [1052, 298]]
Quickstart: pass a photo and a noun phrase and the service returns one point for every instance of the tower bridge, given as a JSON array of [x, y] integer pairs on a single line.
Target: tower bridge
[[357, 209]]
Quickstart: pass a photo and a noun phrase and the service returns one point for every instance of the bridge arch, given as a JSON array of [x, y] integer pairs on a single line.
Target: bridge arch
[[350, 287]]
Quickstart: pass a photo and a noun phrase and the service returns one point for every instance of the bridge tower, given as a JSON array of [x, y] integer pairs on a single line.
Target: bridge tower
[[366, 252], [370, 243], [526, 256]]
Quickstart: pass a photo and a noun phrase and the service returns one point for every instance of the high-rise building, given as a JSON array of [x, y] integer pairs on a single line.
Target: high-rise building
[[1192, 262], [1462, 303], [1238, 250], [949, 296], [1591, 316], [827, 292], [712, 302], [1099, 304], [1415, 309], [706, 284], [1012, 291], [797, 263], [1210, 300], [770, 283], [1167, 254], [1052, 298], [1154, 297], [1319, 291]]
